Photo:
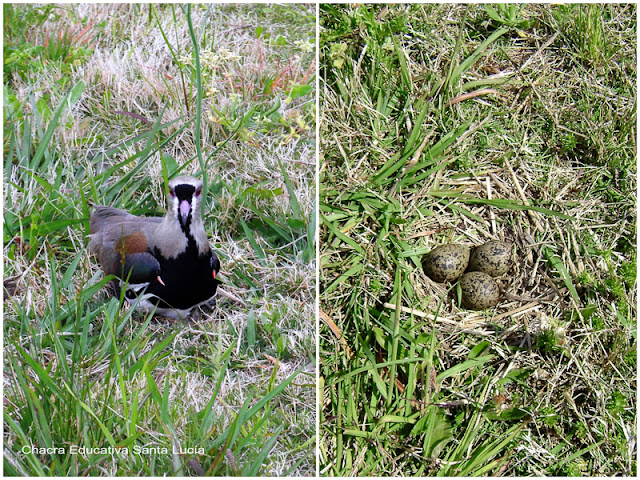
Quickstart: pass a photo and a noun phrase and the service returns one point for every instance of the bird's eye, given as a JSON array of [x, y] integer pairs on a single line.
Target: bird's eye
[[172, 192], [198, 191]]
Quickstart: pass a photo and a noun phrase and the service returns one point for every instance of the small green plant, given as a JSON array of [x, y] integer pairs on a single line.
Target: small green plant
[[547, 341], [19, 19], [509, 14], [24, 54], [549, 416], [584, 27], [617, 403], [576, 468]]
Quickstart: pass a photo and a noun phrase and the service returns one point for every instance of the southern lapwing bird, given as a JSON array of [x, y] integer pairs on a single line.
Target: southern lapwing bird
[[167, 262]]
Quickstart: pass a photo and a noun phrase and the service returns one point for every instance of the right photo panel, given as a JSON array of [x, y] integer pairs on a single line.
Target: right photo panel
[[477, 169]]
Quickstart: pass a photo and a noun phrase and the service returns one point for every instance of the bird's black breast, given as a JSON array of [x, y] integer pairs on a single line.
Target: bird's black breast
[[188, 281]]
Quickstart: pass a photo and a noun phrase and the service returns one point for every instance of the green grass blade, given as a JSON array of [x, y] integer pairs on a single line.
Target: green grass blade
[[253, 470], [398, 282], [464, 366], [354, 270], [558, 264], [252, 241], [293, 201], [341, 235], [473, 58], [53, 124], [198, 118], [499, 203]]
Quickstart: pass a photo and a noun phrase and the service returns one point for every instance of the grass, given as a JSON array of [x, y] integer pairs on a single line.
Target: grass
[[103, 103], [454, 123]]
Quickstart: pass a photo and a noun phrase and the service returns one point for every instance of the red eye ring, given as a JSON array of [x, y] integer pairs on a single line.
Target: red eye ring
[[198, 191]]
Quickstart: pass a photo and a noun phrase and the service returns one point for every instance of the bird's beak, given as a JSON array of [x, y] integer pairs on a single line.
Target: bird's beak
[[160, 281], [214, 274], [185, 210]]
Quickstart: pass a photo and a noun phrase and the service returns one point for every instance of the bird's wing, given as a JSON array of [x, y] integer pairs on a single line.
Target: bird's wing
[[110, 226], [119, 240]]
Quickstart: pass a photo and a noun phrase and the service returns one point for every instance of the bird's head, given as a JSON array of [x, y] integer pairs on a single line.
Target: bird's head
[[185, 195]]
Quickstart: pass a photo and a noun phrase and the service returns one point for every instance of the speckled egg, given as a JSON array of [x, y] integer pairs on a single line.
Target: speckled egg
[[493, 258], [446, 262], [479, 291]]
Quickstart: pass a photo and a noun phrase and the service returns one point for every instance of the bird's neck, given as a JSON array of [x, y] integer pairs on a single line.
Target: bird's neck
[[173, 239], [197, 241]]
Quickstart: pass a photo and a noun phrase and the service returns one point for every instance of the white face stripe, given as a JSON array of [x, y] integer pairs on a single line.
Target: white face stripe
[[185, 180], [195, 204]]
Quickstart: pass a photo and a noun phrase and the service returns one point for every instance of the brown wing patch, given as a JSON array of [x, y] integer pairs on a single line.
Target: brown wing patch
[[134, 243]]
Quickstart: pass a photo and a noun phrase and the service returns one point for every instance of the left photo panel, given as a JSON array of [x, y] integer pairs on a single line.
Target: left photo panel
[[159, 226]]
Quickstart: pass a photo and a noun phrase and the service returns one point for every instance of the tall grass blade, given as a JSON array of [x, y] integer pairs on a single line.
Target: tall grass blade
[[198, 118], [254, 468], [73, 93], [293, 201]]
